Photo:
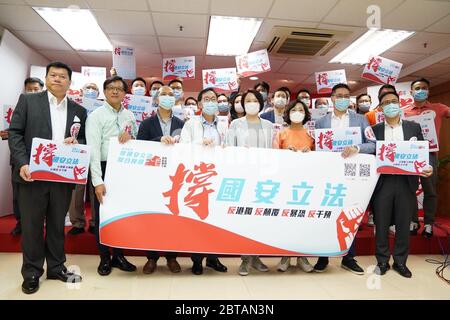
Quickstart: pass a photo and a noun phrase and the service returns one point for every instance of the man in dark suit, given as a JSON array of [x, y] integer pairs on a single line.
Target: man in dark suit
[[162, 127], [48, 115], [395, 195]]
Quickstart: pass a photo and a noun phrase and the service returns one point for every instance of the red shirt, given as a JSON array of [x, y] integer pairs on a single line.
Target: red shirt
[[440, 112]]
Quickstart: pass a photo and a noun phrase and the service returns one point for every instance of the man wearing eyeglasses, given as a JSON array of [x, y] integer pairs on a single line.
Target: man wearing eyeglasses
[[110, 121], [341, 117]]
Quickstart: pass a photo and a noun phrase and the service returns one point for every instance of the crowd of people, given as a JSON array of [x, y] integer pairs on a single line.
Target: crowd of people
[[251, 113]]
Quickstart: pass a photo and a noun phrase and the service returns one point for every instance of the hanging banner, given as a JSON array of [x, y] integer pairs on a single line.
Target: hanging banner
[[336, 140], [233, 200], [382, 70], [59, 162], [7, 112], [141, 106], [124, 61], [426, 121], [222, 80], [402, 157], [326, 80], [253, 63], [183, 68]]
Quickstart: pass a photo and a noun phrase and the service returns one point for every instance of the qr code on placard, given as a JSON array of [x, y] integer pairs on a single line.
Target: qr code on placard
[[364, 170], [350, 169]]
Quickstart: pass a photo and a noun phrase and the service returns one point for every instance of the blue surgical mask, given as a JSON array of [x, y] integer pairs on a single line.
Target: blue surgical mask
[[90, 93], [139, 91], [342, 104], [210, 108], [264, 95], [391, 110], [223, 107], [178, 94], [154, 92], [167, 102], [420, 95]]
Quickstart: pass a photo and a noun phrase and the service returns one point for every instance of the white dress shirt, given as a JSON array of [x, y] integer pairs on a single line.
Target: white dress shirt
[[393, 133], [210, 130], [58, 115], [342, 122]]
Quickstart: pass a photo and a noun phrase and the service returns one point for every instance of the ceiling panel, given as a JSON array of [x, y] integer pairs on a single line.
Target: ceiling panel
[[306, 10], [435, 42], [168, 24], [247, 8], [57, 4], [125, 22], [412, 15], [43, 40], [183, 46], [137, 5], [147, 43], [69, 57], [265, 32], [405, 58], [22, 18], [98, 59], [181, 6], [435, 70], [442, 25], [358, 17]]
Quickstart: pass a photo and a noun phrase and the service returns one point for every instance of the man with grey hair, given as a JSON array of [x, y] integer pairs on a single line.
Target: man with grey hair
[[165, 128]]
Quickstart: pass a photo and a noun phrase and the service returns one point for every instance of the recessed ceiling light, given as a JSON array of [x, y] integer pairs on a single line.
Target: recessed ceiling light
[[253, 78], [77, 26], [231, 36], [372, 43]]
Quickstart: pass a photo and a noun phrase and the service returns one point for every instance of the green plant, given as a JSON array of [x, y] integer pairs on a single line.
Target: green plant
[[442, 162]]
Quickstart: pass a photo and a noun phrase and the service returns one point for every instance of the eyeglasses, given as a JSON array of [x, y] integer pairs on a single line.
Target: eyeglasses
[[209, 100], [112, 88], [385, 103]]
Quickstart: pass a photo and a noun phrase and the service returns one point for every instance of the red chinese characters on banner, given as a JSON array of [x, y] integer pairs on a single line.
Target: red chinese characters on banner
[[117, 51], [419, 165], [45, 153], [210, 77], [322, 79], [78, 172], [374, 64], [169, 66], [155, 161], [326, 140], [347, 226], [8, 115], [198, 192], [387, 152]]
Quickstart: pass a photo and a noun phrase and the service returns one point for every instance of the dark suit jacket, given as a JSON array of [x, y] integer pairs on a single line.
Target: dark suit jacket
[[410, 129], [270, 116], [150, 129], [31, 119]]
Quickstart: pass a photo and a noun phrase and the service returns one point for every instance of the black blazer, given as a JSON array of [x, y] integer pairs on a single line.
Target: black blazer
[[31, 119], [150, 129], [410, 129]]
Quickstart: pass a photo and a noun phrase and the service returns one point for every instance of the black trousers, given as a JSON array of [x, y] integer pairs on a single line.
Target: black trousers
[[393, 200], [429, 193], [154, 255], [43, 202], [15, 194], [198, 257], [104, 250]]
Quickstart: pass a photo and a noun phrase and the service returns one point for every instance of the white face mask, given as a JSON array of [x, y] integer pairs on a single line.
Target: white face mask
[[238, 108], [364, 106], [252, 108], [297, 116], [280, 102]]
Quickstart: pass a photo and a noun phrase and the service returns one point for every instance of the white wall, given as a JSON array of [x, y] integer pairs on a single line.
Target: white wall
[[15, 61]]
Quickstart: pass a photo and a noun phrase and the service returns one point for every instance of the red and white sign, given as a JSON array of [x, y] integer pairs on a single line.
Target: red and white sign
[[59, 162], [183, 67], [426, 121], [336, 140], [223, 80], [7, 112], [124, 61], [253, 63], [326, 80], [382, 70], [226, 200], [95, 75], [402, 157], [141, 106]]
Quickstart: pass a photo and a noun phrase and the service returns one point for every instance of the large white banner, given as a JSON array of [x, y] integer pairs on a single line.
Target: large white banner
[[233, 200]]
